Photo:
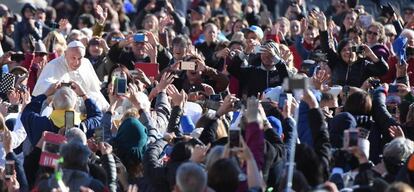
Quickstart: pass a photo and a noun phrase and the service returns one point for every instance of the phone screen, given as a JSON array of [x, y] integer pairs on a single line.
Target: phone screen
[[99, 135], [282, 100], [139, 38], [210, 104], [51, 147], [13, 109], [215, 97], [350, 138], [353, 138], [188, 65], [69, 119], [9, 169], [121, 88], [234, 138]]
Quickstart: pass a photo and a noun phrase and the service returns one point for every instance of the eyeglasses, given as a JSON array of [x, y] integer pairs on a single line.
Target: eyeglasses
[[372, 33], [389, 35]]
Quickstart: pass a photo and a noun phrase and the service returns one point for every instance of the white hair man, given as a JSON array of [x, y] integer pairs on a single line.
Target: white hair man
[[72, 67], [64, 100], [190, 178]]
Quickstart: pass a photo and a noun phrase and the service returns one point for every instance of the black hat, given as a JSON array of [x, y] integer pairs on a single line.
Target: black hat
[[28, 6]]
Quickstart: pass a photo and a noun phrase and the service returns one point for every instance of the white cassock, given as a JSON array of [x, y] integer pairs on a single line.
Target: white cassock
[[57, 70]]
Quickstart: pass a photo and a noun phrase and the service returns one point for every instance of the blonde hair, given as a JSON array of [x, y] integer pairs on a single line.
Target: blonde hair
[[132, 112], [2, 122], [381, 29], [58, 39]]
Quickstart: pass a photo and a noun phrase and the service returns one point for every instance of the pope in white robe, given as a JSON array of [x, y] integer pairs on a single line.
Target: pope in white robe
[[72, 67]]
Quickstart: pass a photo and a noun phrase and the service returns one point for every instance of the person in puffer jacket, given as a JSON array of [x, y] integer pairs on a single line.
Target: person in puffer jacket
[[270, 73]]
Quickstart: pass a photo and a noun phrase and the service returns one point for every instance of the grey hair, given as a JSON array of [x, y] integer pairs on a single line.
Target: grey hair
[[407, 32], [73, 34], [400, 148], [75, 155], [76, 134], [214, 155], [191, 178], [64, 98]]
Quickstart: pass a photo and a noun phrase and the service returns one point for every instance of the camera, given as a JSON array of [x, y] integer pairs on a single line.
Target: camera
[[357, 49], [387, 10], [140, 38], [121, 86], [9, 169], [17, 57], [350, 138], [13, 109], [215, 97], [409, 51], [295, 83], [213, 105], [374, 83], [69, 119], [234, 138], [188, 65]]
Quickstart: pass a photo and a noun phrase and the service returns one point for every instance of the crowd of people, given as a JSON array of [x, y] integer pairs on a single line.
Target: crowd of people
[[207, 95]]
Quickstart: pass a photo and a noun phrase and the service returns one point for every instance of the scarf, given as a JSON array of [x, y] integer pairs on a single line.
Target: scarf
[[58, 118]]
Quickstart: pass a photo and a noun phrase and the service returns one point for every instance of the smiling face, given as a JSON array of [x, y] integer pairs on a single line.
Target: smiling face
[[179, 52], [349, 20], [347, 55], [95, 50], [74, 57], [211, 33], [310, 35], [151, 23], [373, 34], [238, 26]]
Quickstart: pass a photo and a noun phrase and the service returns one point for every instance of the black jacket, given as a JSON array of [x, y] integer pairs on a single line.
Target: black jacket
[[255, 80], [320, 136], [208, 52], [160, 177], [127, 58], [355, 74]]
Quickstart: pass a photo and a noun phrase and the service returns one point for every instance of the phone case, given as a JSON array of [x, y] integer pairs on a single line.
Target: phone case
[[7, 82]]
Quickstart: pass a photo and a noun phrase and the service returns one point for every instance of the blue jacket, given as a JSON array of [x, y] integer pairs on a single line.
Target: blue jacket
[[35, 124]]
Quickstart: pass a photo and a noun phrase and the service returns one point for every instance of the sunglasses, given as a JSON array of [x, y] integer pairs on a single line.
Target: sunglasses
[[372, 33], [390, 35]]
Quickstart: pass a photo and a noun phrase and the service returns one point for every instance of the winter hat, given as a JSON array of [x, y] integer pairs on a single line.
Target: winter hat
[[338, 125], [276, 124]]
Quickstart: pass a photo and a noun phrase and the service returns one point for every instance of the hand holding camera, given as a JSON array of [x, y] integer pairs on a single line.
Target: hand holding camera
[[227, 106], [78, 89], [369, 53], [223, 53]]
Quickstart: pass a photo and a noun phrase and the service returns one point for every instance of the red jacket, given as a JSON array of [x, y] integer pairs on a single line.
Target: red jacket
[[390, 76], [33, 68]]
